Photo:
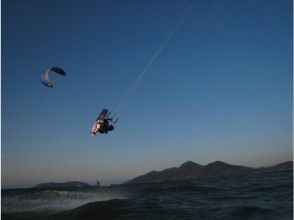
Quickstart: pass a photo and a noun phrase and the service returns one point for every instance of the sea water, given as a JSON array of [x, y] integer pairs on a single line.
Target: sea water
[[264, 195]]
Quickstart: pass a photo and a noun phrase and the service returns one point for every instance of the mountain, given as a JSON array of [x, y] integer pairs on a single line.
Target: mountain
[[155, 176], [280, 166], [191, 170], [187, 170], [219, 168], [57, 185]]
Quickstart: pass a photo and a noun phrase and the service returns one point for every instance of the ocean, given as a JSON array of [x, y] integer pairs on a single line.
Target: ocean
[[264, 195]]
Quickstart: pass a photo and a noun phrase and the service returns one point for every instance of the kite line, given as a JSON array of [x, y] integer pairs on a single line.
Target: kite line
[[157, 52]]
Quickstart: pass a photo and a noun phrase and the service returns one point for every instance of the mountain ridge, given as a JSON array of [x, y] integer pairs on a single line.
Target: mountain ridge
[[192, 170], [64, 184]]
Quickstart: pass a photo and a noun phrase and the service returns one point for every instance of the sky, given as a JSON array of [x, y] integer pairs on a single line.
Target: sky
[[221, 88]]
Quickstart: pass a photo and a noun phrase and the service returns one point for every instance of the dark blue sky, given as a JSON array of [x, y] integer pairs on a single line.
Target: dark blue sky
[[221, 89]]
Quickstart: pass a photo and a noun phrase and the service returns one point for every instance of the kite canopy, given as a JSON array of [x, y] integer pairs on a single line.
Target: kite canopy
[[45, 75]]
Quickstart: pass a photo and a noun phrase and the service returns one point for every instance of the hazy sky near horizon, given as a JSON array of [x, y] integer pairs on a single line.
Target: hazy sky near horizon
[[221, 89]]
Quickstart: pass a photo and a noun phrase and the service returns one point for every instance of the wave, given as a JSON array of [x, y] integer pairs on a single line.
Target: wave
[[117, 209], [271, 188], [255, 212], [103, 209], [180, 188]]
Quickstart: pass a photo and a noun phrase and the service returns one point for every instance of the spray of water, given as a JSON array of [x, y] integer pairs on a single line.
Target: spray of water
[[53, 200]]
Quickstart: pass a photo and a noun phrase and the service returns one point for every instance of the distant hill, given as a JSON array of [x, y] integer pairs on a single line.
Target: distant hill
[[191, 170], [58, 185], [280, 166]]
